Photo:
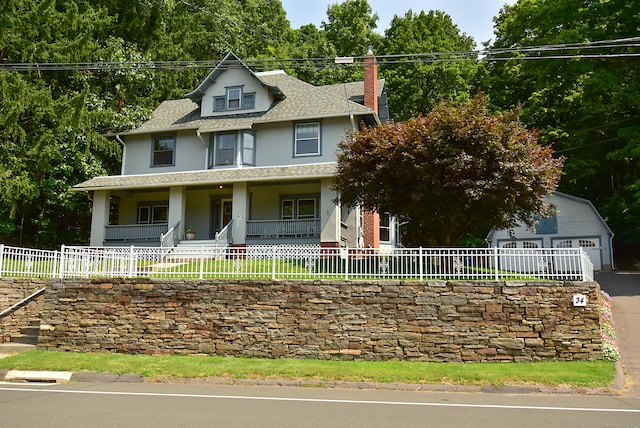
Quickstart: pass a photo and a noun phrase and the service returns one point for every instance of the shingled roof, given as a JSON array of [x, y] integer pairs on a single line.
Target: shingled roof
[[299, 101], [217, 176]]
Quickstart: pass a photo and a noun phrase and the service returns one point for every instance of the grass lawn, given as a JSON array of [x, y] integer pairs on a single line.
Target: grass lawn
[[576, 374]]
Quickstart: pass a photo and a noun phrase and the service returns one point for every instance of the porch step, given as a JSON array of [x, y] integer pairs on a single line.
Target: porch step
[[200, 243], [28, 334]]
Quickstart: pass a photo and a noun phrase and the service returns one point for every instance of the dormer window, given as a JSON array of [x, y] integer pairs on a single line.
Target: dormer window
[[235, 99]]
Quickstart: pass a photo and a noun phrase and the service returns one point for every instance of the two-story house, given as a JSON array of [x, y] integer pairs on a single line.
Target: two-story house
[[246, 158]]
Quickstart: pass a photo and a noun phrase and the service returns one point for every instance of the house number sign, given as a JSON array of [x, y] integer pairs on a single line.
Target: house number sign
[[579, 300]]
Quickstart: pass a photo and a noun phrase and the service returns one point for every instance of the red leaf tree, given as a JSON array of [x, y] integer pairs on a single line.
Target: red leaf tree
[[456, 170]]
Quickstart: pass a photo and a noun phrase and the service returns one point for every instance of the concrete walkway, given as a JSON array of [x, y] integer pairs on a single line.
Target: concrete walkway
[[624, 288]]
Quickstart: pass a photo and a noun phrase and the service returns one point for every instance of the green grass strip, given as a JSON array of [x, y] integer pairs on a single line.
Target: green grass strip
[[590, 374]]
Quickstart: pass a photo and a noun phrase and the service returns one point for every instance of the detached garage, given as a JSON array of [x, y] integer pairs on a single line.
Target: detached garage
[[576, 223]]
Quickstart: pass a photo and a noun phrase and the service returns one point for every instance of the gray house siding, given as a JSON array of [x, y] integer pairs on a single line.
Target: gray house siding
[[578, 223]]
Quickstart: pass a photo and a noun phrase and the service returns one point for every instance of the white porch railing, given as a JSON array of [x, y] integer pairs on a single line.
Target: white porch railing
[[301, 262], [223, 238], [134, 232], [170, 238], [283, 228]]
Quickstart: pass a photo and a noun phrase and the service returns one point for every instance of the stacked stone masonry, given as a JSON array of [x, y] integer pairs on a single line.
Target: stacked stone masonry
[[418, 321]]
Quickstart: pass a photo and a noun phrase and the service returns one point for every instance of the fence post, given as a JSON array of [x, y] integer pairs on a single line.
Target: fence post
[[273, 262], [131, 262], [1, 258], [421, 264], [63, 250], [201, 262], [346, 262], [495, 262]]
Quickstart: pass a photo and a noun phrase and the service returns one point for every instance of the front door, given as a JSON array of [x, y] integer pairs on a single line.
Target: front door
[[221, 215]]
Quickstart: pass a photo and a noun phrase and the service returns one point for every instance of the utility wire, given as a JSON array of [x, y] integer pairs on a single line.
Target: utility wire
[[499, 54]]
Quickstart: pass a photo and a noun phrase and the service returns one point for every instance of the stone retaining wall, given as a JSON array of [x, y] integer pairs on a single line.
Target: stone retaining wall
[[426, 321], [13, 290]]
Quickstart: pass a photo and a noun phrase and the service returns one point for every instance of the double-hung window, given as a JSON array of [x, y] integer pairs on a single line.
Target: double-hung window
[[234, 95], [385, 227], [164, 147], [224, 150], [248, 148], [307, 139]]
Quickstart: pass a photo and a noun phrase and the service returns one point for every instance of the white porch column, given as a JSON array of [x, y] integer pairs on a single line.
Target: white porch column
[[177, 208], [240, 212], [99, 217], [329, 215]]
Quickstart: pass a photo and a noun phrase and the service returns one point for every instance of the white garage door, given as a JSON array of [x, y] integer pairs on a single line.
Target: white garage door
[[591, 246], [522, 259]]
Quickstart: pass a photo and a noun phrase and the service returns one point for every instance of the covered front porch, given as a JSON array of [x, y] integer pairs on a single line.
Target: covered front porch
[[296, 210]]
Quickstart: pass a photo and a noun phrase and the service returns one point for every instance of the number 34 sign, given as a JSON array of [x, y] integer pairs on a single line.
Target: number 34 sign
[[579, 300]]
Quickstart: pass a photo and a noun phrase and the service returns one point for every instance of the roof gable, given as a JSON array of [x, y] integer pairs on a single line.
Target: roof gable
[[278, 98], [554, 200], [230, 61], [233, 88]]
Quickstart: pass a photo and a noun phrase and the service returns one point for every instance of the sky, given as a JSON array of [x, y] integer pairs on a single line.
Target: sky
[[473, 17]]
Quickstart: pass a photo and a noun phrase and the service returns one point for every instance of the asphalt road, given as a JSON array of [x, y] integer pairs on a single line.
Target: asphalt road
[[624, 288], [179, 405]]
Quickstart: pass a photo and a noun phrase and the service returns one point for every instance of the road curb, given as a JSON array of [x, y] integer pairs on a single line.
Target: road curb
[[37, 376], [65, 377], [619, 380]]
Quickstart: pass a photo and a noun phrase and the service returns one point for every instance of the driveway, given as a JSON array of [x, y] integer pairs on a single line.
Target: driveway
[[624, 288]]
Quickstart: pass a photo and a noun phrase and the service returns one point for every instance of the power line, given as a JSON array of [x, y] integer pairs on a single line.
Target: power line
[[499, 54]]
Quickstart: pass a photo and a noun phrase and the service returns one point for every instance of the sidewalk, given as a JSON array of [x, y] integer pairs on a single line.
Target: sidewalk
[[624, 288]]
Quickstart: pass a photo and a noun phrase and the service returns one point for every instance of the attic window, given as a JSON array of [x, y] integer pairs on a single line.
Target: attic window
[[234, 99]]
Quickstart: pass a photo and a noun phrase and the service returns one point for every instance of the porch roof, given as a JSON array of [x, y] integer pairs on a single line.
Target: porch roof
[[212, 176]]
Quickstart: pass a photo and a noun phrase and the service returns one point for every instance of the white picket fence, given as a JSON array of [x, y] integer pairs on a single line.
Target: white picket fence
[[298, 262]]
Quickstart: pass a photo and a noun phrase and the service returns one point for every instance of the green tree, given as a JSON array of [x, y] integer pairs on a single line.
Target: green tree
[[51, 122], [350, 27], [44, 151], [312, 50], [588, 107], [415, 87], [458, 169]]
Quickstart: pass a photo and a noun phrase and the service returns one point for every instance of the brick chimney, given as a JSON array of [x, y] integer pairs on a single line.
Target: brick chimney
[[371, 80], [371, 219]]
